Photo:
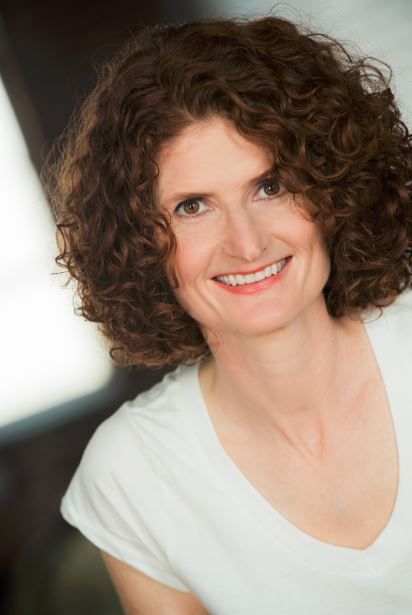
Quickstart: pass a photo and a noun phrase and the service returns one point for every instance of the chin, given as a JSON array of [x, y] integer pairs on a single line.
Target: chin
[[265, 323], [265, 327]]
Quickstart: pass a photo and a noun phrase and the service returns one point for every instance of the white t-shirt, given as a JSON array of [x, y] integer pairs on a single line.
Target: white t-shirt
[[156, 489]]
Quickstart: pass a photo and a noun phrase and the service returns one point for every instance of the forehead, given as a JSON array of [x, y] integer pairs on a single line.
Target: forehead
[[208, 152]]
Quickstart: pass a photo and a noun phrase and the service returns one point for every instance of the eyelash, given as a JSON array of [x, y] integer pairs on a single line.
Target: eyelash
[[197, 199]]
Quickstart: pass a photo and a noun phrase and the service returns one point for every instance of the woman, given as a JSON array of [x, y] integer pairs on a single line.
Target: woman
[[234, 200]]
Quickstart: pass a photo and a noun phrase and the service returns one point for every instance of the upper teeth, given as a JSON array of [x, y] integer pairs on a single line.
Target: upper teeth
[[239, 279]]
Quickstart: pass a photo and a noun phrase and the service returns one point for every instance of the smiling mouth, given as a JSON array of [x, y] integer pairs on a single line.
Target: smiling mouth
[[238, 279]]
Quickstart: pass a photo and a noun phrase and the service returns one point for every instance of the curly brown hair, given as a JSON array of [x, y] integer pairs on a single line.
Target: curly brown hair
[[329, 118]]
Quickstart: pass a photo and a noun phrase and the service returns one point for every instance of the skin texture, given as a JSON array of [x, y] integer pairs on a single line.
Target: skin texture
[[241, 228]]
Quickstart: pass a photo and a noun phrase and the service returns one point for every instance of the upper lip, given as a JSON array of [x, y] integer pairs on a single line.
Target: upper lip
[[252, 270]]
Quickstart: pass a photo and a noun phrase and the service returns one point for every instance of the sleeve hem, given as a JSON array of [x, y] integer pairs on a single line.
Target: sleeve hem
[[103, 541]]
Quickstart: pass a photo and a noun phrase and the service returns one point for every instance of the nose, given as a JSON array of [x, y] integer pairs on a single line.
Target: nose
[[242, 236]]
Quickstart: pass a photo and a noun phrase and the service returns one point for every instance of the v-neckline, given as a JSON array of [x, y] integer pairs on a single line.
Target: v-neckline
[[391, 538]]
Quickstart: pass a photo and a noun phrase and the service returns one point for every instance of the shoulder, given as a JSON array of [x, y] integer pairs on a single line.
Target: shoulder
[[118, 477], [398, 310], [399, 314], [116, 496], [391, 328], [403, 301], [128, 438]]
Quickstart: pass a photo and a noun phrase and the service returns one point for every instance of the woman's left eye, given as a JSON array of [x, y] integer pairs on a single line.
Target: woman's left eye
[[269, 188]]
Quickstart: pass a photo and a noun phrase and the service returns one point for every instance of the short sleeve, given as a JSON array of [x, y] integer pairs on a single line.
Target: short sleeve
[[115, 500]]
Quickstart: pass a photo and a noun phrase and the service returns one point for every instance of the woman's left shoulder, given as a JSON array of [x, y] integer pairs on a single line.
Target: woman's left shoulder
[[402, 304], [398, 316], [394, 319]]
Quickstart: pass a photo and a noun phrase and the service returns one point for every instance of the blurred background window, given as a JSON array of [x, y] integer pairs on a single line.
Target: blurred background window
[[48, 355]]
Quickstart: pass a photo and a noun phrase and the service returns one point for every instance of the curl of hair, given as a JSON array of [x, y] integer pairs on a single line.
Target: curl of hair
[[328, 117]]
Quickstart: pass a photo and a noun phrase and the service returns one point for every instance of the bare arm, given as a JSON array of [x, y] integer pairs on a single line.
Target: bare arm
[[142, 595]]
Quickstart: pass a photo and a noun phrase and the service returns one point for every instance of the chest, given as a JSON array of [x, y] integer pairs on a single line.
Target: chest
[[348, 499]]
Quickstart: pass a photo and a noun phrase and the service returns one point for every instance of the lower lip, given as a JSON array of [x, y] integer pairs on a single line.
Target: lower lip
[[255, 287]]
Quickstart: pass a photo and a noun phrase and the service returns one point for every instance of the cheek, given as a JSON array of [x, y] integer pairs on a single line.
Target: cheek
[[193, 255], [308, 233], [186, 263], [321, 258], [309, 237]]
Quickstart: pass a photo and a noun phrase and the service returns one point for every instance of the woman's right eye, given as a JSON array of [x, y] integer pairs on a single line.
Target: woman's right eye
[[190, 208]]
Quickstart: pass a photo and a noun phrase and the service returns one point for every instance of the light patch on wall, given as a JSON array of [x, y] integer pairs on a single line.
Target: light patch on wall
[[376, 27], [48, 355]]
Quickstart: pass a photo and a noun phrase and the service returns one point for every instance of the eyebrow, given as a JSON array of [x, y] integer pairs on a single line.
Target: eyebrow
[[179, 197]]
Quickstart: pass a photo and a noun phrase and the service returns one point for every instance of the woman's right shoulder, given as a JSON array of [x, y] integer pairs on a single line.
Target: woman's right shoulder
[[121, 455], [153, 414], [116, 496]]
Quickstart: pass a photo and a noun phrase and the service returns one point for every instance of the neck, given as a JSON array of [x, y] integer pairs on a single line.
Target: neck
[[285, 383]]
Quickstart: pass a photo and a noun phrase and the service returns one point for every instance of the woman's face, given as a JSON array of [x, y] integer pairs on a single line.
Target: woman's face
[[230, 220]]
